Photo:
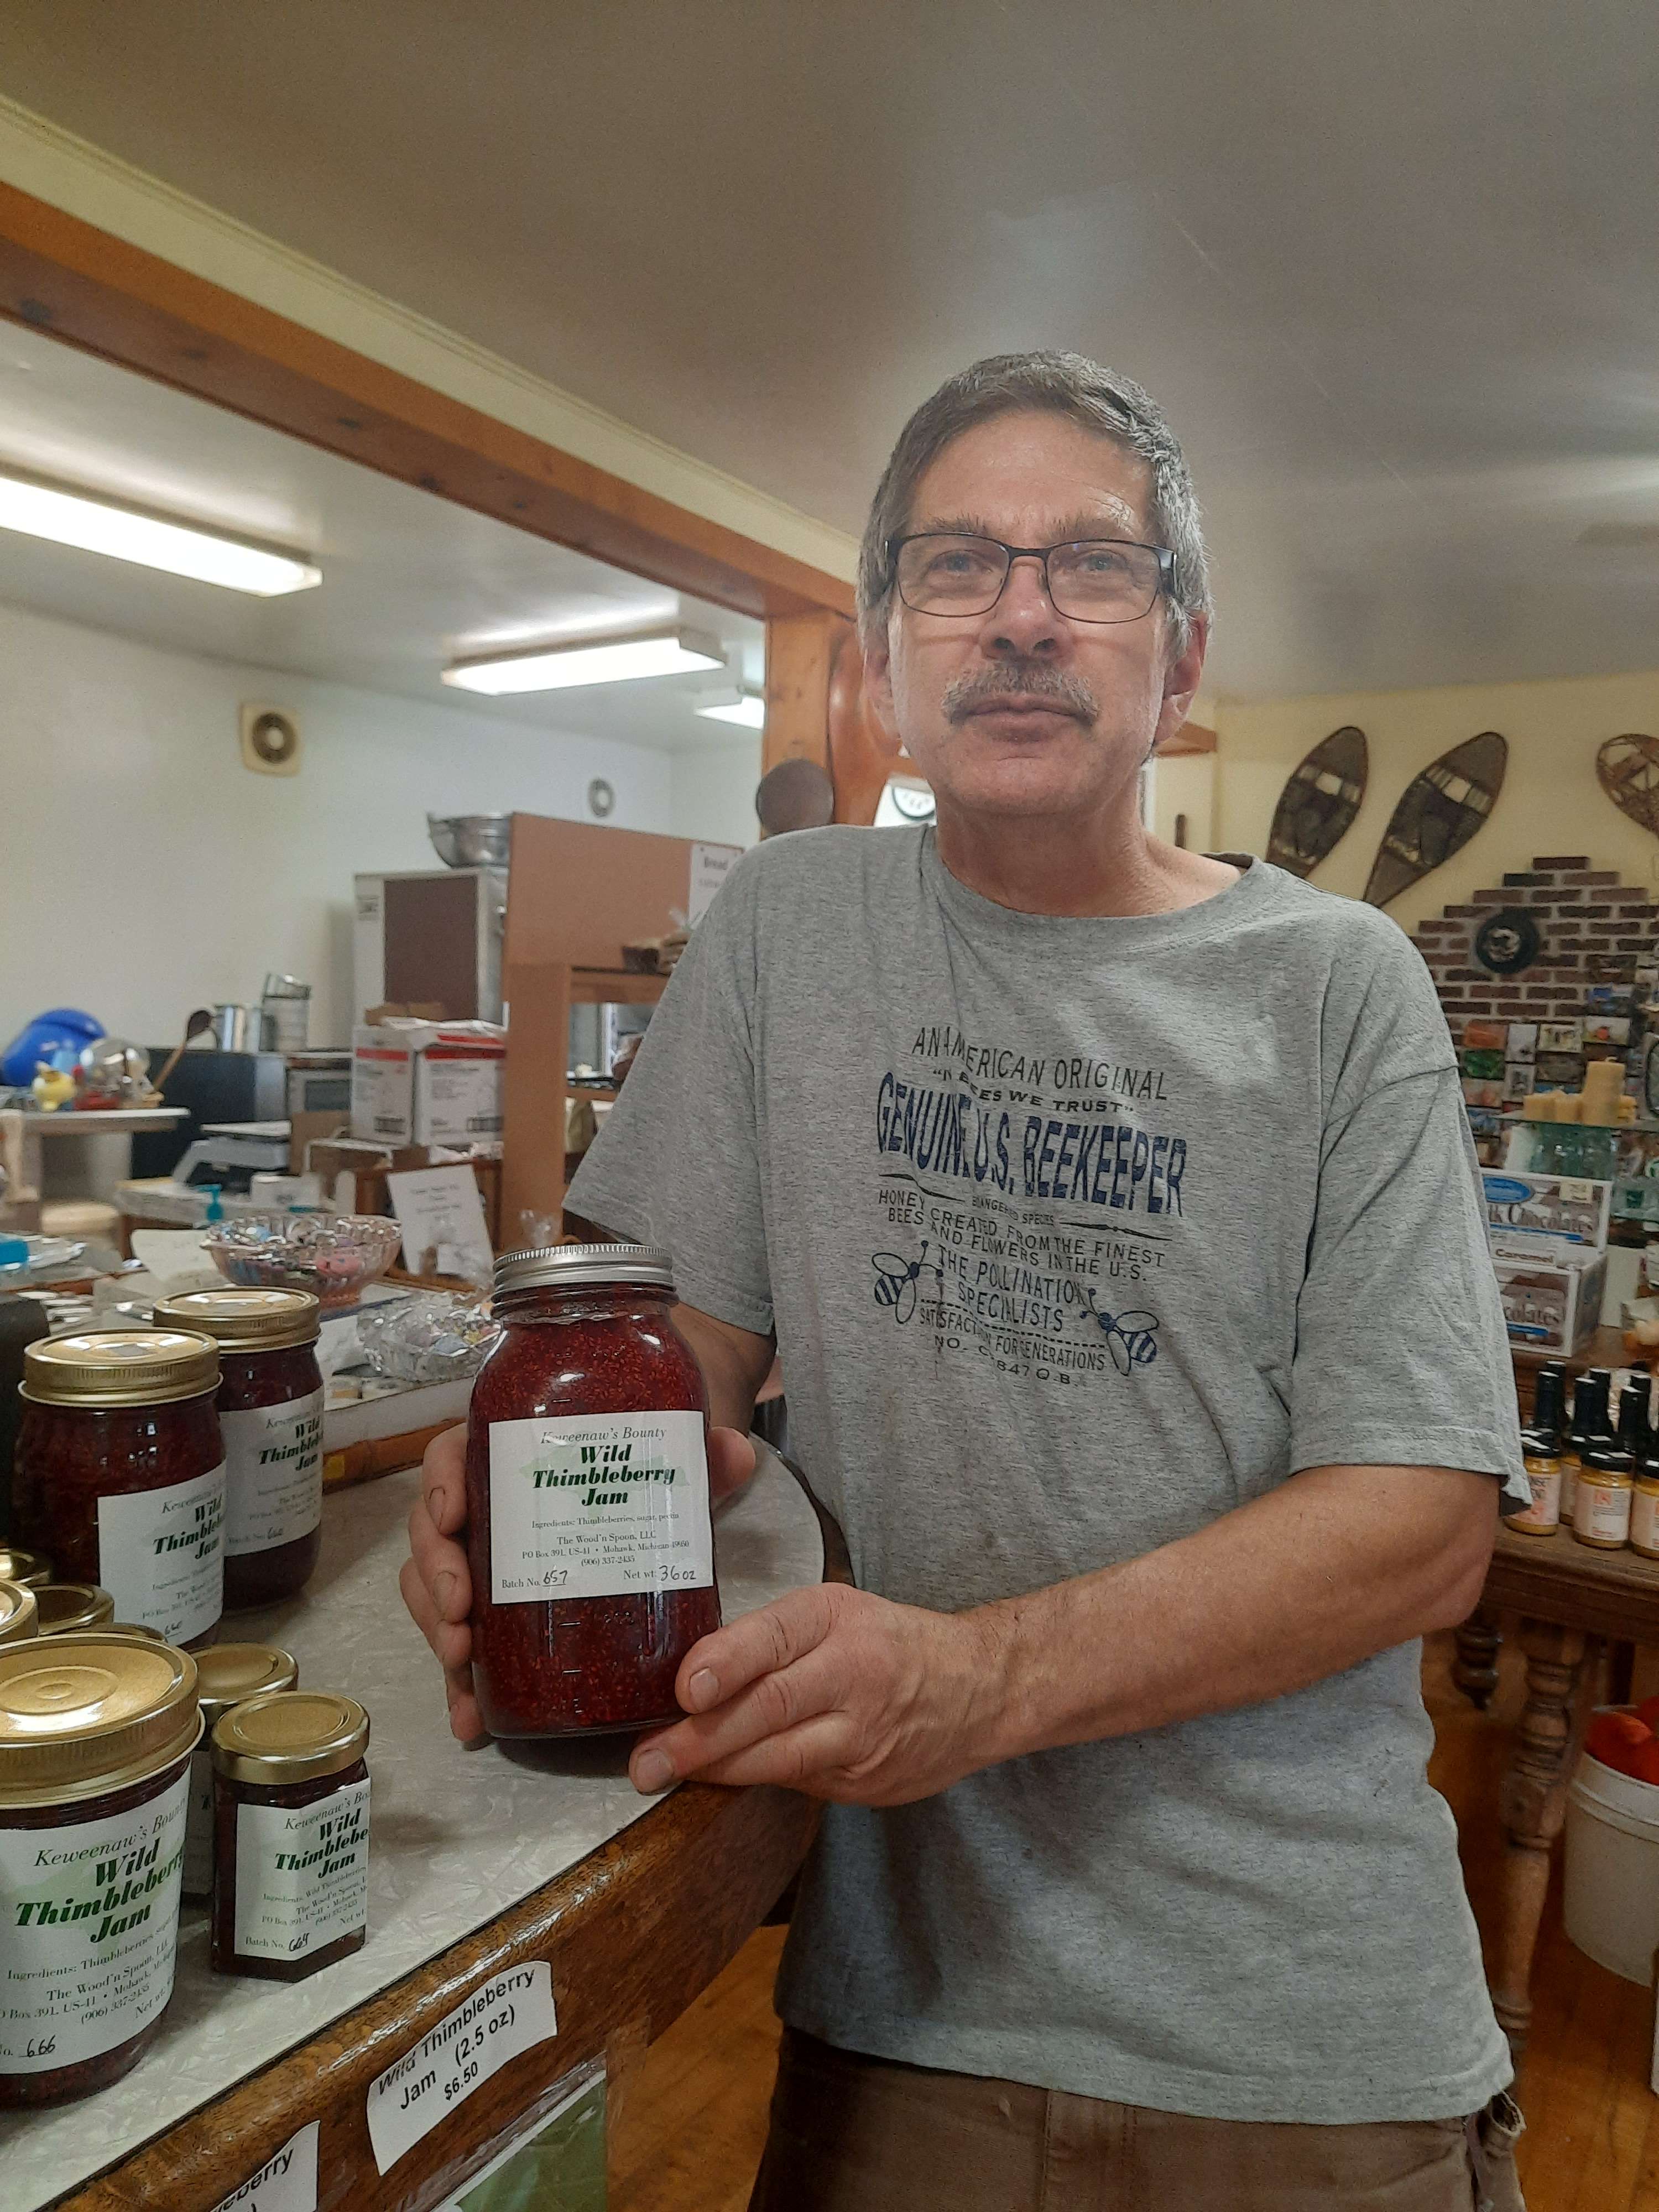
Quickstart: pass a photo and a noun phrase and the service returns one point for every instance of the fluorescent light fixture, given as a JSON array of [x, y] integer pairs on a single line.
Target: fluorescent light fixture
[[562, 665], [96, 524], [746, 708]]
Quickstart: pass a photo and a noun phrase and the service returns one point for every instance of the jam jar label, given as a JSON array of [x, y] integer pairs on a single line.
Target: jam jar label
[[91, 1921], [301, 1877], [599, 1506], [161, 1555], [273, 1473]]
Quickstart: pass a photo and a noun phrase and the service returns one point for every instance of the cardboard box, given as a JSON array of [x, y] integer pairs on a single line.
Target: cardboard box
[[1547, 1206], [427, 1083], [1551, 1307]]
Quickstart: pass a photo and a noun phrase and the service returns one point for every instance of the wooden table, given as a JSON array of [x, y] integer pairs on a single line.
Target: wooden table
[[1574, 1608]]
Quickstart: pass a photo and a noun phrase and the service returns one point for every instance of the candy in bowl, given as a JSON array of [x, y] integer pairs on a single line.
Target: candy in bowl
[[334, 1255]]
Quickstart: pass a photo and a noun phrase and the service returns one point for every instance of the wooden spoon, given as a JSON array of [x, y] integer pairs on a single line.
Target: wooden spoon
[[200, 1020]]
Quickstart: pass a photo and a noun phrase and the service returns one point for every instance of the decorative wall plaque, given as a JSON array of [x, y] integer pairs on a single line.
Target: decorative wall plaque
[[1508, 941]]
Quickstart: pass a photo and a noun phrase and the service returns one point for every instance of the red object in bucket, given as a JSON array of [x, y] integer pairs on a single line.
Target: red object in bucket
[[1619, 1739]]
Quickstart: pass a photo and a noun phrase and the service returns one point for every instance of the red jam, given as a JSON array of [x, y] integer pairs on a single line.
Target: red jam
[[271, 1415], [119, 1473], [587, 1475]]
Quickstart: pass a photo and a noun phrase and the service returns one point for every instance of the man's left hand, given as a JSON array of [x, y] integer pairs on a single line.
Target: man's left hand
[[836, 1693]]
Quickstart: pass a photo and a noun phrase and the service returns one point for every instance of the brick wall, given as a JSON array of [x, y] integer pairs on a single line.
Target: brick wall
[[1595, 930]]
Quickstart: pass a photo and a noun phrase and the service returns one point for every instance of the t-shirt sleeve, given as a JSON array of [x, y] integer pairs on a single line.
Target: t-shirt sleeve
[[1402, 1357], [676, 1162]]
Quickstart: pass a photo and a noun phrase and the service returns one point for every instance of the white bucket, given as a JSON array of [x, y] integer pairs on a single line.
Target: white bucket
[[1610, 1900]]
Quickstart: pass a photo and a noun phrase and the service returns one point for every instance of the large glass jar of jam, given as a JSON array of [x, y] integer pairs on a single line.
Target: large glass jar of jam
[[70, 1608], [590, 1544], [95, 1737], [225, 1675], [290, 1803], [120, 1472], [18, 1619], [271, 1415]]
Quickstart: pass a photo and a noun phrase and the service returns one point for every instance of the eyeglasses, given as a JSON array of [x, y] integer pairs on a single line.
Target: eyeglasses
[[1097, 580]]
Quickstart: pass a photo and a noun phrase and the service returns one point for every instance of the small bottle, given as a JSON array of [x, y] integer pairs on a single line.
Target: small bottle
[[1589, 1425], [1540, 1456], [1601, 1506], [290, 1805], [225, 1675]]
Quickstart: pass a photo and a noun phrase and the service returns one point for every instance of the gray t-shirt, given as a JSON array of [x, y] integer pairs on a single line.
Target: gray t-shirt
[[1076, 1234]]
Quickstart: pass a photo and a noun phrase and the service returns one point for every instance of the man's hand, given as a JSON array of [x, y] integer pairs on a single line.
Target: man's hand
[[836, 1693], [436, 1584]]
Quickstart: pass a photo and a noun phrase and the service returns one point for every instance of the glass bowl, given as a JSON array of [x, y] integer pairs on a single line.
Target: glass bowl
[[334, 1255]]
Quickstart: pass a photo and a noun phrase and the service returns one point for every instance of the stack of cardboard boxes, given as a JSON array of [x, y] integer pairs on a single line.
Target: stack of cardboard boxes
[[1549, 1245]]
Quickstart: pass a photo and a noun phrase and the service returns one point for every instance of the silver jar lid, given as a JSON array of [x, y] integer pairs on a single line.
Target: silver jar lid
[[576, 1266]]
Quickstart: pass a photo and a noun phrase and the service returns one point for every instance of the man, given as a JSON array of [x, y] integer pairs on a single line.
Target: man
[[1112, 1211]]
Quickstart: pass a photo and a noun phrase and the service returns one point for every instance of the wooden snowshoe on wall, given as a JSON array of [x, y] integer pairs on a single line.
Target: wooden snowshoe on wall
[[1320, 797], [1627, 769], [1439, 811]]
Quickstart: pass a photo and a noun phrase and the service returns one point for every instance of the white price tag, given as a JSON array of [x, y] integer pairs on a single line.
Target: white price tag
[[497, 2023], [710, 866], [286, 2182]]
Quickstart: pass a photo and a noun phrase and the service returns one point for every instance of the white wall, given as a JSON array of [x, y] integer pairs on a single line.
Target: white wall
[[711, 793], [144, 871]]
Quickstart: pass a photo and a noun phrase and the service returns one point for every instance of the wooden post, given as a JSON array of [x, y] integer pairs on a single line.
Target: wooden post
[[800, 652], [1474, 1670]]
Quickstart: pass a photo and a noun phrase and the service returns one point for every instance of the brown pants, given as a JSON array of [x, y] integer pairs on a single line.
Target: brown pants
[[852, 2134]]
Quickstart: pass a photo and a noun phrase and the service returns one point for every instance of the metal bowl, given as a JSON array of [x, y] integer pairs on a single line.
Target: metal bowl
[[470, 840]]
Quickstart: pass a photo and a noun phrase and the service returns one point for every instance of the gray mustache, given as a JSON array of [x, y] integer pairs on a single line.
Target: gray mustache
[[1020, 679]]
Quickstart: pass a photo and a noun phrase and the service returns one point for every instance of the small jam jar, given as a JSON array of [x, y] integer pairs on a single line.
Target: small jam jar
[[290, 1807], [95, 1737], [590, 1538], [68, 1608], [17, 1613], [120, 1471], [1644, 1512], [1601, 1504], [225, 1676], [32, 1569], [271, 1416]]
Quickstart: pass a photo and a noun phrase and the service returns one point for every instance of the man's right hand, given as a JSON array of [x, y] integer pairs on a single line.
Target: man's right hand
[[437, 1584]]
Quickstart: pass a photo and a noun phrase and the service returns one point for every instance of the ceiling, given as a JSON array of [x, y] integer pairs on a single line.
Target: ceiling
[[409, 582], [1390, 264]]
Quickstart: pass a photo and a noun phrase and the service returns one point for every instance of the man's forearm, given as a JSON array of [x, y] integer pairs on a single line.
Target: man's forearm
[[1333, 1565], [734, 1362]]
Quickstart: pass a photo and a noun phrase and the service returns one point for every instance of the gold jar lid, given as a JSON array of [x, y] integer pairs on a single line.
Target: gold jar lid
[[136, 1628], [120, 1367], [65, 1608], [17, 1612], [226, 1673], [32, 1569], [245, 1320], [80, 1716], [290, 1735]]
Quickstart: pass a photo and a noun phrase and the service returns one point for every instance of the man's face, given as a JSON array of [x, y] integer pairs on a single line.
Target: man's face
[[1022, 712]]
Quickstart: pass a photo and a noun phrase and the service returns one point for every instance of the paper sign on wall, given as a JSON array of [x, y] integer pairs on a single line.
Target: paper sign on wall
[[442, 1219], [710, 866], [497, 2023], [285, 2183]]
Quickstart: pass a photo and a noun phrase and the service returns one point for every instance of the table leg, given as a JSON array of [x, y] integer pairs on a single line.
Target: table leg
[[1534, 1805], [1474, 1670]]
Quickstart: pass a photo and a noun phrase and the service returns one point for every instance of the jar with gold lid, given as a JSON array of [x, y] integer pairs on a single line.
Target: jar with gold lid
[[32, 1569], [1644, 1513], [67, 1609], [226, 1675], [96, 1733], [18, 1617], [271, 1417], [1601, 1505], [290, 1797], [120, 1471]]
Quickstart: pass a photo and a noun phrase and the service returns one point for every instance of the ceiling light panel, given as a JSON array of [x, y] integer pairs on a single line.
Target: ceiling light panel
[[748, 711], [562, 667], [124, 533]]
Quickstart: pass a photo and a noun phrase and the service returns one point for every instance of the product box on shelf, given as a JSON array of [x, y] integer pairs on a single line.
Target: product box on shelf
[[1522, 1041], [428, 1083], [1552, 1307], [1547, 1206]]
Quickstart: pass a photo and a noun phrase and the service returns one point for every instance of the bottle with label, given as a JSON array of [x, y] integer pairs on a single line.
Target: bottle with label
[[226, 1675], [1591, 1424], [290, 1804], [590, 1538], [120, 1471], [271, 1416], [1540, 1456], [1601, 1505], [96, 1733]]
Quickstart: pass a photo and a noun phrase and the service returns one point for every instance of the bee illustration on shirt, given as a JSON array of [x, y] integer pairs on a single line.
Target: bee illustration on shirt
[[896, 1280], [1129, 1336]]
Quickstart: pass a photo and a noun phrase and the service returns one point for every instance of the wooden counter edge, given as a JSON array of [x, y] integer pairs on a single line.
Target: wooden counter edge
[[635, 1932]]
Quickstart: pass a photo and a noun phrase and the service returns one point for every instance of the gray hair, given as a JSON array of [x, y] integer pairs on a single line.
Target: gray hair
[[1080, 390]]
